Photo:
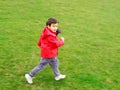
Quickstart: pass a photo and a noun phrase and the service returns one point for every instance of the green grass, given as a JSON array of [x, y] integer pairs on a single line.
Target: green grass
[[90, 57]]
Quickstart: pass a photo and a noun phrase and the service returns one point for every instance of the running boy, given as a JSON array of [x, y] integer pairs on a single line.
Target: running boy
[[49, 45]]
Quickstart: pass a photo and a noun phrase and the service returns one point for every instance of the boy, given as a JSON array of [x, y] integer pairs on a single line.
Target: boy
[[49, 45]]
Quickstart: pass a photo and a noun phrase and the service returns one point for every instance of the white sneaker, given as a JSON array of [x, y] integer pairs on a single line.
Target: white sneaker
[[60, 77], [28, 78]]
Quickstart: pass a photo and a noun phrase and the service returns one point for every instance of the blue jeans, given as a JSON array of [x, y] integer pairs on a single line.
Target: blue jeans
[[53, 62]]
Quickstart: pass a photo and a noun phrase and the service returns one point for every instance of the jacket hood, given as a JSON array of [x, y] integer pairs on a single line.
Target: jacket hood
[[47, 31]]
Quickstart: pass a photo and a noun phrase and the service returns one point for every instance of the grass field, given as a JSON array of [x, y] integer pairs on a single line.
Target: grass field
[[90, 57]]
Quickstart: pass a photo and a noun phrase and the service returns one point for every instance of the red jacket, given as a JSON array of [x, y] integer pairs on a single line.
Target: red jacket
[[49, 43]]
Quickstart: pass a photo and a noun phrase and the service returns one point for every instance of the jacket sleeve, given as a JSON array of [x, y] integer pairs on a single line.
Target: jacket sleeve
[[39, 42], [54, 42]]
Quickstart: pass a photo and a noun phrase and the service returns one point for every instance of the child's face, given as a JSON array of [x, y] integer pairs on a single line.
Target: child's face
[[53, 27]]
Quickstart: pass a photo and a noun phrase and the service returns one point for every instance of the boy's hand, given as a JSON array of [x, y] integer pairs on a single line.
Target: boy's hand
[[62, 38]]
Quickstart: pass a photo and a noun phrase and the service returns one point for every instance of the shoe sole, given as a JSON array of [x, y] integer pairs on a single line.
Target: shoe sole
[[60, 78], [26, 77]]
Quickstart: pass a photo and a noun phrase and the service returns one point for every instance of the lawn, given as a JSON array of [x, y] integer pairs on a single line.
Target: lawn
[[90, 57]]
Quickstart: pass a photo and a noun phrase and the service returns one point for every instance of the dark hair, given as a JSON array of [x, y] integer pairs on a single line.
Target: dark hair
[[51, 21]]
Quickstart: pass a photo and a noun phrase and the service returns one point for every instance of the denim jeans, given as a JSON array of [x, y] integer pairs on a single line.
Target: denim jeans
[[53, 62]]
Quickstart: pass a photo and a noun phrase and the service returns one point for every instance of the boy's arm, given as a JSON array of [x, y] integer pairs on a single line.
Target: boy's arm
[[55, 42], [39, 42]]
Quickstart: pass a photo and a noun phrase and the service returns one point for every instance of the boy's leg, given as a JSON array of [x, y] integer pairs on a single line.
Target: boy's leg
[[54, 65], [39, 67]]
